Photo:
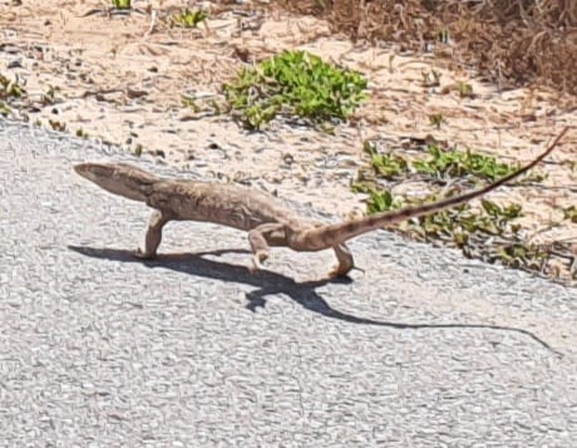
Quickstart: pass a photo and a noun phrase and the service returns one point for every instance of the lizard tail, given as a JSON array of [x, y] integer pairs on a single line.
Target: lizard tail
[[324, 237], [119, 178]]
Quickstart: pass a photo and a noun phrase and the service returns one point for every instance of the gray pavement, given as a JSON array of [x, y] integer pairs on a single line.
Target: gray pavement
[[423, 349]]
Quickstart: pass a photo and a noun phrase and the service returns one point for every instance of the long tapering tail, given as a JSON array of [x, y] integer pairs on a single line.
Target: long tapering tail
[[331, 235]]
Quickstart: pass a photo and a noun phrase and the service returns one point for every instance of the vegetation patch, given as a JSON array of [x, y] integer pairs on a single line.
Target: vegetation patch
[[188, 19], [295, 84], [122, 5], [489, 232], [10, 90]]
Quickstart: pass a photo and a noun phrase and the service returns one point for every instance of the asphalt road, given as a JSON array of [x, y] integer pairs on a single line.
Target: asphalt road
[[423, 349]]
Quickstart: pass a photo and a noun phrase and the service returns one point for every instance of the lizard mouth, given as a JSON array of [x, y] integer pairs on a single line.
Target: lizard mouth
[[97, 173]]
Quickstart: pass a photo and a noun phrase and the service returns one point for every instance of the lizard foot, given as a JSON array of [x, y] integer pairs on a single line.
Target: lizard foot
[[336, 273], [341, 271], [257, 259], [139, 253]]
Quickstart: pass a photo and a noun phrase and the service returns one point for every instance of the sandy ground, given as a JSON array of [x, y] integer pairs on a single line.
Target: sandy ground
[[122, 78]]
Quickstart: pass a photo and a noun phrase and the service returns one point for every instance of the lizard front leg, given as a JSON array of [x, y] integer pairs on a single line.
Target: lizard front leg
[[261, 238], [153, 234]]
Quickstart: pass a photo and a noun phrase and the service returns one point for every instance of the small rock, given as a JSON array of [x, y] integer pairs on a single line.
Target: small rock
[[17, 63]]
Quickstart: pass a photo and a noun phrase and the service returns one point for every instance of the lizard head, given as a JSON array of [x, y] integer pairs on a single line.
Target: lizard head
[[118, 178]]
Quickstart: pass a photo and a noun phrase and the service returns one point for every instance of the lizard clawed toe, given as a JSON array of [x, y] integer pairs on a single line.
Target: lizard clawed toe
[[337, 272], [257, 259]]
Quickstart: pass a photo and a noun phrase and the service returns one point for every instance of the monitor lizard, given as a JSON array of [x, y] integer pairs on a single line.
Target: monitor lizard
[[267, 220]]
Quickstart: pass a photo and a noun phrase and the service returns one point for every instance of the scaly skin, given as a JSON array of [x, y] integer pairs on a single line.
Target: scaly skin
[[263, 216]]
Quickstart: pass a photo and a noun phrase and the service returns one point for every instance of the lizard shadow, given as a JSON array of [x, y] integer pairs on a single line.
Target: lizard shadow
[[269, 283]]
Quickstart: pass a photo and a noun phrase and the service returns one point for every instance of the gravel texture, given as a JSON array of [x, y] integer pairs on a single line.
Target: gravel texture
[[423, 349]]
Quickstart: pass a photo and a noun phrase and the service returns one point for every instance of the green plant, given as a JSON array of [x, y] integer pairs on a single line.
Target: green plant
[[205, 106], [189, 19], [81, 133], [520, 255], [4, 109], [382, 200], [10, 88], [295, 83], [431, 78], [454, 163], [436, 120], [57, 125], [49, 97], [122, 4], [386, 166], [443, 36], [465, 90], [570, 213], [190, 103]]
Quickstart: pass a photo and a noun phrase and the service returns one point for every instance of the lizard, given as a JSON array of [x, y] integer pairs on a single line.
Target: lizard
[[267, 220]]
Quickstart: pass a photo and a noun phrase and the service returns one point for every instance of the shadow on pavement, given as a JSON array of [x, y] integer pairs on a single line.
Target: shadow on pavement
[[269, 283]]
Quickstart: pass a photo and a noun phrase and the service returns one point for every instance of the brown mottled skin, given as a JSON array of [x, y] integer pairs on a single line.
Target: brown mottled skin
[[265, 218]]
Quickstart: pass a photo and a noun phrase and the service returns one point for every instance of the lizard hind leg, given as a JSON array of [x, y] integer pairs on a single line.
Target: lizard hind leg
[[345, 261], [260, 238]]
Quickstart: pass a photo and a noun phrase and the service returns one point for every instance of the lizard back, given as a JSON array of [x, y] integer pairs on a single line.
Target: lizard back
[[227, 204]]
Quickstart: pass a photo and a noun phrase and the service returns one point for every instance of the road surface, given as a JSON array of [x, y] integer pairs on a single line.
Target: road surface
[[97, 349]]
